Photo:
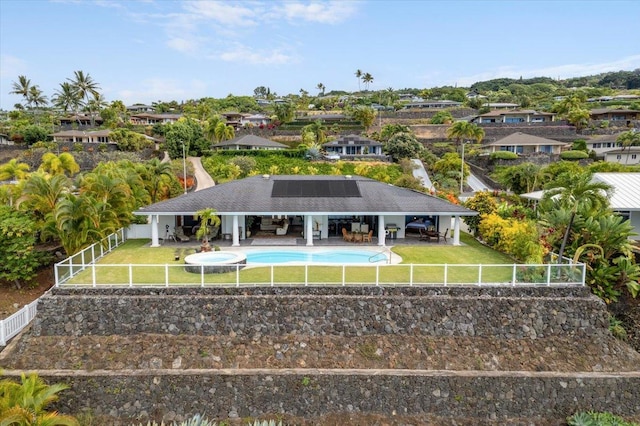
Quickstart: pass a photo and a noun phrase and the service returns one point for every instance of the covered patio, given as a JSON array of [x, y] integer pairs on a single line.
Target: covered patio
[[304, 210]]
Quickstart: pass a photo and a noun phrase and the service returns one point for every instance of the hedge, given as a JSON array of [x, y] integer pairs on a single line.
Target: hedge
[[574, 155], [503, 155]]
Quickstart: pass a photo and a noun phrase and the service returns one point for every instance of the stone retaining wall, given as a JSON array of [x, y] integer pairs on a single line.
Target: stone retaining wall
[[174, 395], [509, 312]]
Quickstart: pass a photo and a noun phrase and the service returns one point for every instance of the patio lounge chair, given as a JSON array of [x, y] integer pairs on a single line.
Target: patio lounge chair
[[443, 235], [179, 233], [283, 229]]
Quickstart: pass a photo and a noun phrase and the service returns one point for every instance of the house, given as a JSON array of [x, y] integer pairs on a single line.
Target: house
[[628, 156], [249, 142], [94, 136], [4, 140], [625, 199], [254, 120], [603, 143], [147, 119], [433, 104], [81, 136], [522, 143], [516, 116], [353, 145], [140, 108], [501, 105], [611, 114], [323, 205], [80, 120], [626, 196]]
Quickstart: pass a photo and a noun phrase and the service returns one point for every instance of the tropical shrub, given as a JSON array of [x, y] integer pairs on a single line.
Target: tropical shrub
[[503, 155], [482, 202], [592, 418], [574, 155], [515, 237], [24, 403]]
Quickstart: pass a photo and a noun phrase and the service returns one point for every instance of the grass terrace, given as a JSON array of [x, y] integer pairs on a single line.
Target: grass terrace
[[135, 264]]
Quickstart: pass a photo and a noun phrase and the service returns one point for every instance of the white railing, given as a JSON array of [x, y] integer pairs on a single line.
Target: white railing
[[168, 275], [15, 323], [73, 265]]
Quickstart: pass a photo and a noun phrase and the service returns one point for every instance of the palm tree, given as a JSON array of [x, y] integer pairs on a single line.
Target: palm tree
[[321, 88], [208, 218], [576, 191], [41, 192], [627, 140], [318, 130], [22, 87], [210, 127], [66, 98], [13, 170], [64, 163], [367, 79], [157, 178], [223, 132], [112, 192], [25, 403], [358, 76], [85, 87], [461, 130]]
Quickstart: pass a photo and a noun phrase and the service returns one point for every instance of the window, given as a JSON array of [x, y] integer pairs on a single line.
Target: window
[[633, 156], [618, 157]]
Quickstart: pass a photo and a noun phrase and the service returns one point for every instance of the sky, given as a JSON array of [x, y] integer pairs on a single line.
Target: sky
[[144, 51]]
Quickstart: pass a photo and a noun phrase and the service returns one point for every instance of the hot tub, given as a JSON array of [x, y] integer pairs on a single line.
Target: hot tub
[[214, 262]]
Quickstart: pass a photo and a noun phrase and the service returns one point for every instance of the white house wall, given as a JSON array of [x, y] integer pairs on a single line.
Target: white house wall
[[634, 220]]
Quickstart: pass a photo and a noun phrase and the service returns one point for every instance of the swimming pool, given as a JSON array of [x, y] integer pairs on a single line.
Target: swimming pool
[[326, 256]]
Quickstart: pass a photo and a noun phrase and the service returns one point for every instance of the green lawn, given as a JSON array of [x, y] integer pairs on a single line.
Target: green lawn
[[157, 266]]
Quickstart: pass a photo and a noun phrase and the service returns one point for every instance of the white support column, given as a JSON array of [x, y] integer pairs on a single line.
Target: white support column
[[381, 231], [154, 231], [308, 229], [235, 231], [456, 230]]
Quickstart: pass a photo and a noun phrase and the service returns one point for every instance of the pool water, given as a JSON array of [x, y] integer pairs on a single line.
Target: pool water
[[334, 256]]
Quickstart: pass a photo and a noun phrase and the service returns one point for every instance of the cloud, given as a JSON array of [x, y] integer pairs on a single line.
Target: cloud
[[331, 12], [154, 89], [558, 71], [224, 13], [244, 54], [11, 66]]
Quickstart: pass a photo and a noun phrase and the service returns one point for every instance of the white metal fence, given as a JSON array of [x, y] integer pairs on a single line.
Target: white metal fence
[[167, 275], [15, 323], [72, 266], [77, 263]]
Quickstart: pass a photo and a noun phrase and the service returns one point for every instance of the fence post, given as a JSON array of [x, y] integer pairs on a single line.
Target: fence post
[[480, 274], [446, 273], [93, 274], [306, 275], [166, 275], [237, 275], [513, 277], [201, 275], [130, 275], [271, 275], [343, 279], [411, 275], [3, 342], [55, 274], [377, 275], [549, 274]]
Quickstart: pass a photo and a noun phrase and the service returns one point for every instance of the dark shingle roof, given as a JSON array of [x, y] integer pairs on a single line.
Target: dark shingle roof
[[251, 140], [253, 195], [520, 138]]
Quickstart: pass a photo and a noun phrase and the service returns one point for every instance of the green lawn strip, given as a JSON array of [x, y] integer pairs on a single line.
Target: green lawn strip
[[149, 268]]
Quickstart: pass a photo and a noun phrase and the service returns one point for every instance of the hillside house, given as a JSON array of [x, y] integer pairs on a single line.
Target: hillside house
[[522, 143]]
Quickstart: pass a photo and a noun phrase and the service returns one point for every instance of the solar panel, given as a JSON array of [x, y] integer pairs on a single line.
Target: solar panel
[[315, 188]]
